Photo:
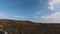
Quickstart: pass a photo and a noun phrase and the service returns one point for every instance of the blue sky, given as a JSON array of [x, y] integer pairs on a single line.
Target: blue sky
[[32, 10]]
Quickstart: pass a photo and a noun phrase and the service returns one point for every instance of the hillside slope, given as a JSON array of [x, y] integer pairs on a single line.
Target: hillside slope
[[27, 27]]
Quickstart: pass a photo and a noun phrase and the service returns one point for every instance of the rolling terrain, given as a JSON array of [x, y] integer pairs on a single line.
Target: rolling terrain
[[28, 27]]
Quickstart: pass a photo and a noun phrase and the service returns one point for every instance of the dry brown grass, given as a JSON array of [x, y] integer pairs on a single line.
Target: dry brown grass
[[27, 27]]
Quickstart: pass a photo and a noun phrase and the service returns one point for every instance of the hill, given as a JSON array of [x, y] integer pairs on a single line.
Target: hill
[[27, 27]]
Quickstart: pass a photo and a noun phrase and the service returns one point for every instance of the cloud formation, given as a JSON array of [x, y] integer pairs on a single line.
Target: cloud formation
[[53, 3], [54, 17]]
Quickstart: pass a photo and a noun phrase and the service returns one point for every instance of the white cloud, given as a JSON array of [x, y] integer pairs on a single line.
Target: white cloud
[[55, 17], [53, 3]]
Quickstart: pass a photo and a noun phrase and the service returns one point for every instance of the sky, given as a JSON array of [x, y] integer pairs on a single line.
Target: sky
[[44, 11]]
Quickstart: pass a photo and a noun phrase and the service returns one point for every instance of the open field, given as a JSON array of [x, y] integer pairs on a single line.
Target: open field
[[27, 27]]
